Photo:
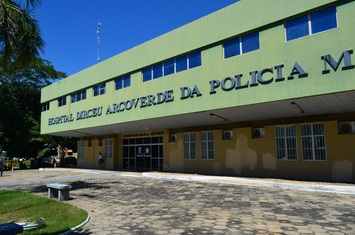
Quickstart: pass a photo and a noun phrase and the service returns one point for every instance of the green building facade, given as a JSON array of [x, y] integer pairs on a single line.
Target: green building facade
[[259, 88]]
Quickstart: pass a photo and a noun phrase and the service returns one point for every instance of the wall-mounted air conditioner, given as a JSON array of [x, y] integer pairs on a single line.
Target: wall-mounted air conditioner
[[172, 138], [347, 128], [228, 135], [258, 133]]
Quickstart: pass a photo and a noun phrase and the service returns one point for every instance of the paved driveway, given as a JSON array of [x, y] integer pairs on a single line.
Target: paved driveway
[[127, 203]]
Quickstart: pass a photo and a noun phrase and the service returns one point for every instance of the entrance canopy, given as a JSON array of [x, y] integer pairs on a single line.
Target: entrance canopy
[[330, 104]]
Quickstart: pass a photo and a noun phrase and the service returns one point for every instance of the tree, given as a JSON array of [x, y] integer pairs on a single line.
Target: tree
[[20, 92], [53, 145], [22, 75], [20, 36]]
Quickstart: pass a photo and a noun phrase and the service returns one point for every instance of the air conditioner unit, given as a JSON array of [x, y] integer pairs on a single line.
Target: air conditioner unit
[[347, 128], [258, 133], [228, 135], [172, 138]]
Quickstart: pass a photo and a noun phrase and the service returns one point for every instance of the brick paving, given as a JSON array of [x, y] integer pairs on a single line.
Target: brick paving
[[128, 203]]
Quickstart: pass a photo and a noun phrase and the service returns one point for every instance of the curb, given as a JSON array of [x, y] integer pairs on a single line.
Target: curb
[[77, 227]]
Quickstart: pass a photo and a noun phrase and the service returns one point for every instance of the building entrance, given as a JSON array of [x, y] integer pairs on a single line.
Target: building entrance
[[143, 154]]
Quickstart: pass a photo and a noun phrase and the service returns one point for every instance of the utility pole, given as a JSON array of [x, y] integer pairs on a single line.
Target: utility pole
[[98, 41]]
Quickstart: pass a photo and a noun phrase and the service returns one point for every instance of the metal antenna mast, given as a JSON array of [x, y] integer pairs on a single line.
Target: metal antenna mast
[[98, 41]]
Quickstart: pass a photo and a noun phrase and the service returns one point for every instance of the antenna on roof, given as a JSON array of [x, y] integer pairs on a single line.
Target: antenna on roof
[[98, 41]]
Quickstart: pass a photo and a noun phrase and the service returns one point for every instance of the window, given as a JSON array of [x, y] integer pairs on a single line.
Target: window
[[62, 101], [81, 148], [286, 143], [45, 106], [313, 142], [123, 82], [297, 28], [323, 20], [157, 71], [147, 74], [194, 59], [169, 67], [89, 143], [108, 148], [207, 145], [77, 96], [315, 22], [100, 89], [181, 63], [250, 42], [189, 146], [232, 48], [241, 45]]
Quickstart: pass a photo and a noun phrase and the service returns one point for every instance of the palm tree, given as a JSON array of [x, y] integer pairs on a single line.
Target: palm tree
[[20, 36]]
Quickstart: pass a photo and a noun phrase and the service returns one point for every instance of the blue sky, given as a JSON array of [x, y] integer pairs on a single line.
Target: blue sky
[[69, 27]]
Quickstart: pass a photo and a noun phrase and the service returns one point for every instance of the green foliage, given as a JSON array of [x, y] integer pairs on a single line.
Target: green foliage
[[22, 75], [20, 36], [20, 106], [59, 217]]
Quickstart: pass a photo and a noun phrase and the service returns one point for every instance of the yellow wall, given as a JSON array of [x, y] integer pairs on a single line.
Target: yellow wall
[[91, 153], [247, 156]]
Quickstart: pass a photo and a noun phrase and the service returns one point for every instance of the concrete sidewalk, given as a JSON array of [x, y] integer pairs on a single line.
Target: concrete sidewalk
[[277, 183]]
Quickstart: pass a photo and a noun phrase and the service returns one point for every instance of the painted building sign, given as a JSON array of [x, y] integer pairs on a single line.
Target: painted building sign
[[263, 76]]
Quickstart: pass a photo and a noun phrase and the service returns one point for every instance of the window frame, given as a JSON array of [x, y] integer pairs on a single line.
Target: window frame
[[62, 101], [313, 137], [190, 146], [287, 148], [181, 63], [172, 66], [122, 82], [109, 148], [310, 24], [78, 96], [247, 42], [234, 46], [157, 71], [207, 146], [81, 149], [169, 67], [45, 106], [147, 74], [99, 89], [194, 59], [328, 19]]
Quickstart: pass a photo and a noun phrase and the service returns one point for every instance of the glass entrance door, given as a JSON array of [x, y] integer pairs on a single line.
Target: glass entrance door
[[143, 154]]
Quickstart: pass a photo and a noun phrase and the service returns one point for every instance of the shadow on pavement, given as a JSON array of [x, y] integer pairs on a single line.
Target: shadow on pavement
[[78, 185]]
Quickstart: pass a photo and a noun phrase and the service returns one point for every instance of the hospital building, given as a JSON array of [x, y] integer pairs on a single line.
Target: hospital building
[[256, 89]]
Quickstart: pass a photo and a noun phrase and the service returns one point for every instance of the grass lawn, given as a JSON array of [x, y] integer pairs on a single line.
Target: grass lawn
[[22, 206]]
